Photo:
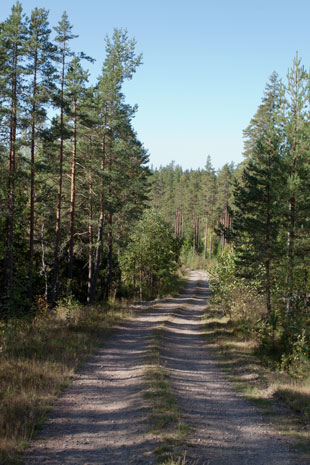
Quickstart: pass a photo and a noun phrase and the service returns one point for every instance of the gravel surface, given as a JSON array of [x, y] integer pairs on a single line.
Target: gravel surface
[[102, 418]]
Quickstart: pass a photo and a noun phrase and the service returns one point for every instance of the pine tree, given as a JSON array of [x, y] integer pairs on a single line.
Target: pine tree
[[76, 80], [12, 40], [120, 64], [209, 205], [63, 36], [40, 53]]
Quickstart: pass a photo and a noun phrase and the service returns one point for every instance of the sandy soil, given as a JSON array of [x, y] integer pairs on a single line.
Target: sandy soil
[[102, 418]]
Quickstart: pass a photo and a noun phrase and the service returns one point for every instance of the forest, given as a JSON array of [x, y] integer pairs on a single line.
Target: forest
[[75, 176], [73, 172], [252, 221], [80, 206], [79, 201], [86, 222]]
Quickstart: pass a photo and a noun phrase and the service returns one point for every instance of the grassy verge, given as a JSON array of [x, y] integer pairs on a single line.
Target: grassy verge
[[165, 417], [37, 359], [286, 400]]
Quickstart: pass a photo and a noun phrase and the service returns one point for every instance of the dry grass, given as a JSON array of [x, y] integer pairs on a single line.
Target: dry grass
[[284, 399], [179, 461], [37, 359], [165, 416], [296, 395]]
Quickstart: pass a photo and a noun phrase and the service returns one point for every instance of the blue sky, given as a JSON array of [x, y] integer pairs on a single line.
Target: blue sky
[[204, 69]]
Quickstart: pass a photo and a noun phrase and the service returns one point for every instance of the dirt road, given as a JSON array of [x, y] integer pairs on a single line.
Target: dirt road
[[102, 418]]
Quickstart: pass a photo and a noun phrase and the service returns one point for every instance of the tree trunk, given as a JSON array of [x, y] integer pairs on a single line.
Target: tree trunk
[[32, 178], [9, 266], [98, 256], [210, 244], [54, 284], [110, 214], [110, 251], [90, 242], [268, 246], [205, 241], [72, 195], [291, 240]]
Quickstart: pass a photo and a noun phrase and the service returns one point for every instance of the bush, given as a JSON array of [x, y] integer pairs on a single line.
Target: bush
[[236, 296], [151, 259]]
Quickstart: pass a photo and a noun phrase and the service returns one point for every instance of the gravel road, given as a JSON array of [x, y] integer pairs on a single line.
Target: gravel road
[[102, 419]]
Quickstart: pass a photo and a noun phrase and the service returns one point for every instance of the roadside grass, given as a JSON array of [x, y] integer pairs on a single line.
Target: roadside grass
[[285, 399], [165, 416], [38, 357]]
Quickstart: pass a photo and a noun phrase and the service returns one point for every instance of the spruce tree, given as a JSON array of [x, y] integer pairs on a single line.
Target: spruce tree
[[259, 197], [297, 148]]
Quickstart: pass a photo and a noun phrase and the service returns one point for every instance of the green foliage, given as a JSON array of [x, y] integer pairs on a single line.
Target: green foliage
[[195, 202], [85, 164], [223, 279], [193, 259], [271, 221], [238, 297], [260, 198], [282, 340], [151, 258]]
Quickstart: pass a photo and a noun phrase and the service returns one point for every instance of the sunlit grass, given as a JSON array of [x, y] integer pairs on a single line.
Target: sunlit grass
[[286, 400], [39, 357]]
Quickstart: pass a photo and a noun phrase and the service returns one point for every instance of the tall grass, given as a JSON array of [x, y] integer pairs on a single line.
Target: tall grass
[[38, 356]]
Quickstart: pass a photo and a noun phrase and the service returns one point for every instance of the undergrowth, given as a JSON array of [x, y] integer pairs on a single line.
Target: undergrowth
[[38, 356]]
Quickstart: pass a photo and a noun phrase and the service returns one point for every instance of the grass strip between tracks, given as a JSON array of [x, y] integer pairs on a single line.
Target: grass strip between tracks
[[165, 416]]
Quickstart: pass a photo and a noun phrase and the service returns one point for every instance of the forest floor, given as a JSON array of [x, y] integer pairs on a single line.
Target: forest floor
[[104, 416]]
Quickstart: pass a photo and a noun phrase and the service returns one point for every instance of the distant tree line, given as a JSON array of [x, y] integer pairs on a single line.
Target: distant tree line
[[196, 203]]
